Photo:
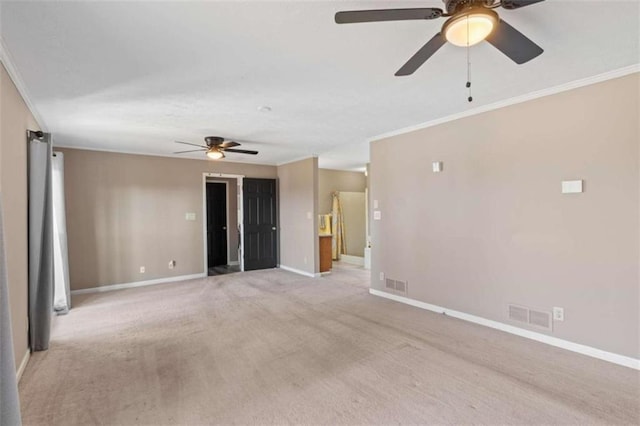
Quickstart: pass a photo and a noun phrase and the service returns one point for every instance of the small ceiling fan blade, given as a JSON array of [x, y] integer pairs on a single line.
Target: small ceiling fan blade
[[228, 144], [514, 44], [191, 150], [240, 151], [357, 16], [422, 55], [188, 143], [517, 4]]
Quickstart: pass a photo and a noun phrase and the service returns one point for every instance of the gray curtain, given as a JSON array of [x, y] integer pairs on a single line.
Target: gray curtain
[[41, 278], [9, 403]]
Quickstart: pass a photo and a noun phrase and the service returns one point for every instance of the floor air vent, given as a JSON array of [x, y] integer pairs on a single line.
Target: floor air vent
[[401, 286], [529, 316]]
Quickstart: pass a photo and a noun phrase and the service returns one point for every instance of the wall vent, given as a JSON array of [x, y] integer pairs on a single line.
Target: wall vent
[[390, 284], [518, 313], [401, 286], [540, 319], [532, 317], [397, 286]]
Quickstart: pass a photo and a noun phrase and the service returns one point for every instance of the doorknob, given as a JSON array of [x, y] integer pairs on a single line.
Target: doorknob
[[273, 228], [224, 227]]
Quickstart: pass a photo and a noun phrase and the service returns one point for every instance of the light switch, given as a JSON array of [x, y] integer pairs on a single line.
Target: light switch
[[377, 215], [572, 186], [437, 166], [190, 216], [309, 216]]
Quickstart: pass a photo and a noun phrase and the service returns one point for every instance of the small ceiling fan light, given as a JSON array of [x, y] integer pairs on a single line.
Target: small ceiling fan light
[[215, 154], [470, 27]]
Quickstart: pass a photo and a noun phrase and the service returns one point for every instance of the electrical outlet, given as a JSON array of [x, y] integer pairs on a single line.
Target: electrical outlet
[[142, 269], [381, 276], [558, 314], [172, 264]]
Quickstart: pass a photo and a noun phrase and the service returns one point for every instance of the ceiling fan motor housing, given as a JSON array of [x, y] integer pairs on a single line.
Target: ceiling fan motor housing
[[213, 140], [455, 6]]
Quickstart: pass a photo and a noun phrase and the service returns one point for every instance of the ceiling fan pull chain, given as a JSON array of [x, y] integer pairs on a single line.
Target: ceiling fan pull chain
[[470, 98]]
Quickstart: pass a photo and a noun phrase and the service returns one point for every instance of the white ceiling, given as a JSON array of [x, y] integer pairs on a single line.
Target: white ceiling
[[135, 76]]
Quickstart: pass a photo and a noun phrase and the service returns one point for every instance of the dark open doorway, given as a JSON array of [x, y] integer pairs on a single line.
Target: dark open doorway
[[217, 227]]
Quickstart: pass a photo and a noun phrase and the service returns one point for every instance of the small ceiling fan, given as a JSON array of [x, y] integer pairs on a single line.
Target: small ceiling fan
[[216, 147], [469, 23]]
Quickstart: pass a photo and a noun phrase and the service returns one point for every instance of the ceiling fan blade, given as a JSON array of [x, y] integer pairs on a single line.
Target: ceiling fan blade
[[188, 143], [228, 144], [240, 151], [192, 150], [422, 55], [514, 44], [517, 4], [356, 16]]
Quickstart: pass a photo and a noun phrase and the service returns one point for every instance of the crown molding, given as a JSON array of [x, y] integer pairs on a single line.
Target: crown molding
[[296, 159], [610, 75], [149, 154], [12, 70]]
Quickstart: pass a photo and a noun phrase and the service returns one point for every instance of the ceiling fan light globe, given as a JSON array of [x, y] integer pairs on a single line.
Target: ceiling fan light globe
[[215, 154], [470, 27]]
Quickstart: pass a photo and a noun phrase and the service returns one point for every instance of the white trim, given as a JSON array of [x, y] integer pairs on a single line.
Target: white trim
[[240, 193], [7, 61], [113, 287], [23, 364], [300, 272], [539, 337], [513, 101], [233, 263], [352, 260], [295, 160], [151, 154]]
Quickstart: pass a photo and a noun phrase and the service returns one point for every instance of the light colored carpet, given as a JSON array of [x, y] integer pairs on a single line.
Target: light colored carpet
[[271, 347]]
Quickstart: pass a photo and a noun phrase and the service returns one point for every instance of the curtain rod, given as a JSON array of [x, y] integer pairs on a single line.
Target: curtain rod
[[39, 134]]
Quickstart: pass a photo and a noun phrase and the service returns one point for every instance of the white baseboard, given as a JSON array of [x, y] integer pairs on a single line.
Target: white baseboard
[[233, 263], [113, 287], [352, 260], [543, 338], [23, 364], [298, 271]]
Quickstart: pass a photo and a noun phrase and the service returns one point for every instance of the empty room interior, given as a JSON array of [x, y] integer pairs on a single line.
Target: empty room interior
[[319, 212]]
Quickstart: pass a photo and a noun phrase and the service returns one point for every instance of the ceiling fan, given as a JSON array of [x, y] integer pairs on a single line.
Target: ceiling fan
[[216, 147], [470, 22]]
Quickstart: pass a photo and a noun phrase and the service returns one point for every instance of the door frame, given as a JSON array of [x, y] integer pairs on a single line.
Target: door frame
[[226, 194], [240, 224]]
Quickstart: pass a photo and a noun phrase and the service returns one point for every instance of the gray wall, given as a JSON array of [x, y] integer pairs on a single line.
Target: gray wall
[[125, 211], [15, 119], [330, 181], [298, 210], [494, 228]]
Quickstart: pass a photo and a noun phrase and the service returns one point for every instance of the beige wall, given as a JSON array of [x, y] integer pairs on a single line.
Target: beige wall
[[330, 181], [15, 120], [494, 228], [232, 216], [126, 211], [298, 210]]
